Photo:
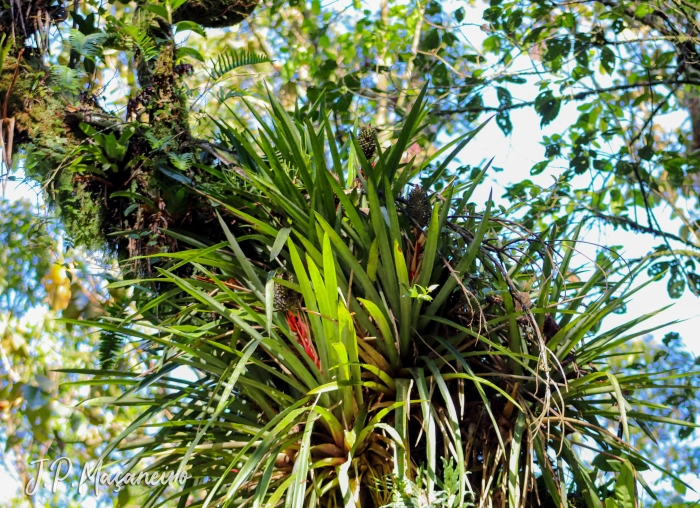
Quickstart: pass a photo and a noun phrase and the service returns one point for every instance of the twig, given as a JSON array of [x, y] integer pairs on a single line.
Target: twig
[[576, 97]]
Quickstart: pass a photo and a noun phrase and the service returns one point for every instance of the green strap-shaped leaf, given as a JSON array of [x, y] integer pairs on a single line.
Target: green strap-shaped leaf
[[348, 338], [242, 259], [329, 275], [430, 251], [583, 481], [621, 405], [399, 147], [455, 428], [546, 467], [405, 302], [388, 338], [401, 418], [297, 495], [329, 327], [311, 305], [387, 273], [428, 423], [347, 256], [345, 381], [462, 265], [516, 442]]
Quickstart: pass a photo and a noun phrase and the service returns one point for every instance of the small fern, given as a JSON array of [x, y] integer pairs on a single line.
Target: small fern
[[408, 494], [230, 60], [181, 161], [110, 345], [280, 160], [86, 45], [157, 144], [224, 95], [146, 46], [65, 78], [142, 42]]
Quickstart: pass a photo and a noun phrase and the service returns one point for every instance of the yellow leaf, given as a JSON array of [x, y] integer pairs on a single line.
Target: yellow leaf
[[57, 285]]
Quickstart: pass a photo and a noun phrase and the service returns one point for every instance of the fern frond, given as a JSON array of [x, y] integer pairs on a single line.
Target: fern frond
[[86, 45], [146, 46], [224, 95], [65, 78], [158, 144], [181, 161], [143, 42], [231, 59], [110, 344]]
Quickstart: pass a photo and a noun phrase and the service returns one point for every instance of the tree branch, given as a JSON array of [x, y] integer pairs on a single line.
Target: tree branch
[[576, 97], [635, 226]]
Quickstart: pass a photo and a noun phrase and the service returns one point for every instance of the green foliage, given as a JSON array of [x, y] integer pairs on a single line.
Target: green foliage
[[104, 152], [328, 395], [88, 46], [182, 161], [65, 79], [623, 71], [351, 397], [142, 42], [421, 293], [232, 59], [5, 46], [41, 412], [24, 257], [110, 345], [81, 215], [406, 493]]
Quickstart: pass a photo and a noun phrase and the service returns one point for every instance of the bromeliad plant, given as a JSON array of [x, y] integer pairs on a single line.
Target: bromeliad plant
[[349, 346]]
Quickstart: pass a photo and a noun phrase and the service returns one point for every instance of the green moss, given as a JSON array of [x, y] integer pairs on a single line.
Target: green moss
[[168, 111], [82, 216], [47, 138], [39, 115]]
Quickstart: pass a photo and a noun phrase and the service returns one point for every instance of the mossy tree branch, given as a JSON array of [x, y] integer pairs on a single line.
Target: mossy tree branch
[[116, 182]]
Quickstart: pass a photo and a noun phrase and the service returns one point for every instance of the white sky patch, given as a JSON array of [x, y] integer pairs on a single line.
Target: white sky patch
[[9, 486]]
